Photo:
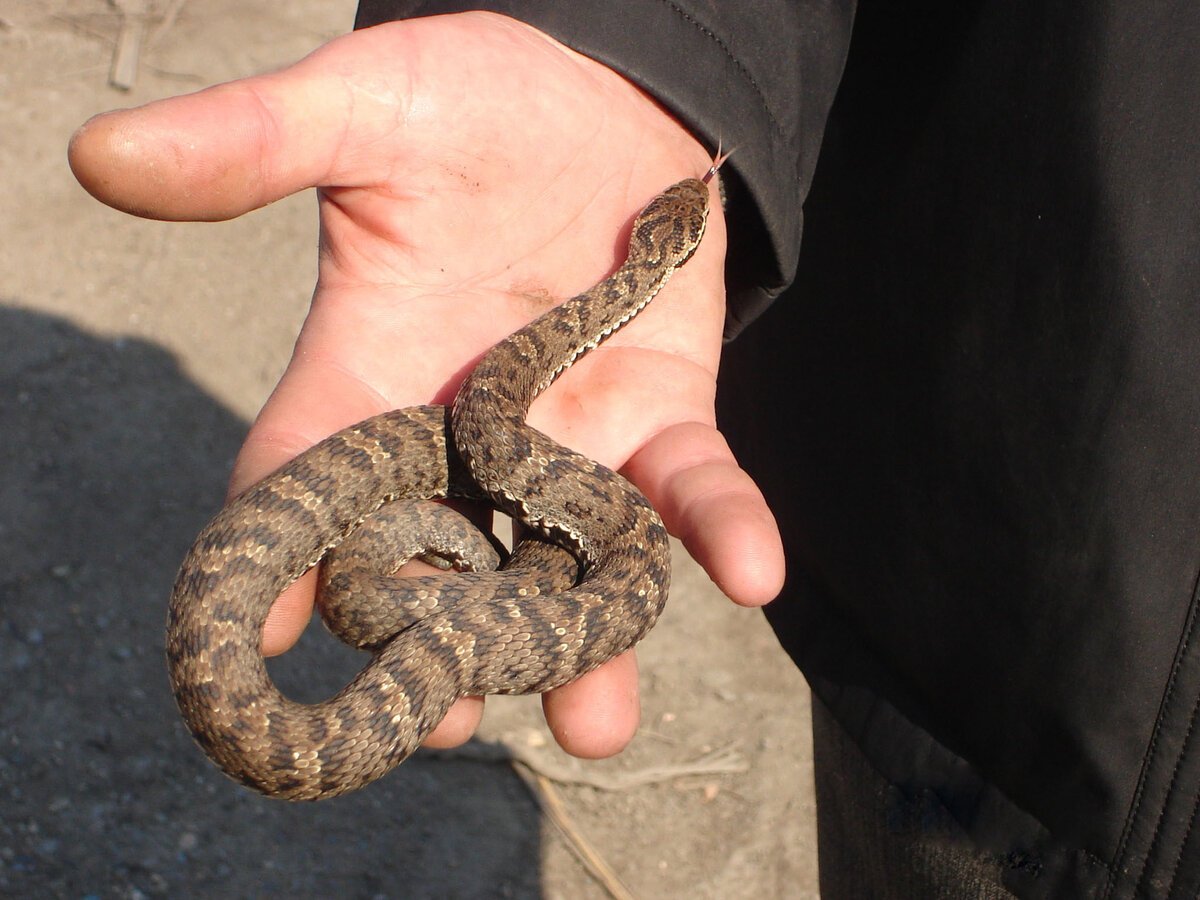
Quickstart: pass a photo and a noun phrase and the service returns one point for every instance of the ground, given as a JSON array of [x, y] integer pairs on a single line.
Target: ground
[[132, 356]]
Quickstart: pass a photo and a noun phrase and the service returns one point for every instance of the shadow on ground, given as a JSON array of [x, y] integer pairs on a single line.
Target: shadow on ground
[[111, 462]]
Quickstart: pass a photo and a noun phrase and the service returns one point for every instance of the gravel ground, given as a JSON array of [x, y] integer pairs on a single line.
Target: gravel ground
[[132, 356]]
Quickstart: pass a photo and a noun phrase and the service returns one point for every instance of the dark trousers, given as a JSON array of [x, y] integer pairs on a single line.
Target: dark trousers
[[877, 843]]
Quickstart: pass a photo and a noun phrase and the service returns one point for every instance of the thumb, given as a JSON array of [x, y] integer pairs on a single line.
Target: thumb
[[228, 149]]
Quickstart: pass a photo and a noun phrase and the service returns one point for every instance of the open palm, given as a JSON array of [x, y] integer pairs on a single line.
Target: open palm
[[471, 172]]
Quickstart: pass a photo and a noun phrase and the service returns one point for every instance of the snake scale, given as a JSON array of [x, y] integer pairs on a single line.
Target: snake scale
[[549, 617]]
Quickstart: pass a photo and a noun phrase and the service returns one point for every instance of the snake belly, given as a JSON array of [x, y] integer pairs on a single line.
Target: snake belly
[[510, 634]]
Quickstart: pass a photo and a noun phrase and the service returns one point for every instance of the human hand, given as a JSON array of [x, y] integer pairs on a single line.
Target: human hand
[[471, 171]]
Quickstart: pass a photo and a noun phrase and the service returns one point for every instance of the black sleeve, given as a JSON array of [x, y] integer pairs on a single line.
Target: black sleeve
[[757, 76]]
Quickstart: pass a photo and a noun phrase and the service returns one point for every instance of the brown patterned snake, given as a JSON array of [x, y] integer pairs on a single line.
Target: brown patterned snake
[[503, 632]]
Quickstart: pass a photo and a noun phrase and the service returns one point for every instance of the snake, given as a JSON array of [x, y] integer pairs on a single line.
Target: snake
[[587, 586]]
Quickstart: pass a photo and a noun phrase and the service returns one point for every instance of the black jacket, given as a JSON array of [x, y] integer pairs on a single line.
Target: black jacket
[[976, 411]]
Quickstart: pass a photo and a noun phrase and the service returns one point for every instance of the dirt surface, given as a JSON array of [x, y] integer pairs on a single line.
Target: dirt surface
[[132, 356]]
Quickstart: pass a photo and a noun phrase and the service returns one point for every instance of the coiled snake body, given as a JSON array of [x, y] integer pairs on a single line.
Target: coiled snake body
[[445, 637]]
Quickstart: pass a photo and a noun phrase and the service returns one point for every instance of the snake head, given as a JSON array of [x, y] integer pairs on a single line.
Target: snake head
[[668, 230]]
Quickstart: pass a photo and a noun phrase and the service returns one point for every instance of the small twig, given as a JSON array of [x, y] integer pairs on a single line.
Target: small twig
[[550, 803], [722, 761], [123, 74], [539, 776], [173, 75]]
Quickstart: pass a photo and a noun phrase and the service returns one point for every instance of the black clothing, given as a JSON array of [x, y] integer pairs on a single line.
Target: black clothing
[[991, 493], [976, 413], [877, 842]]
